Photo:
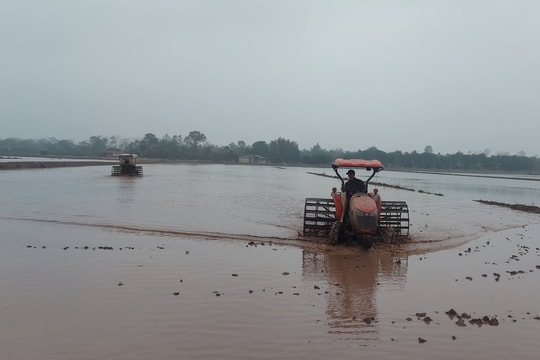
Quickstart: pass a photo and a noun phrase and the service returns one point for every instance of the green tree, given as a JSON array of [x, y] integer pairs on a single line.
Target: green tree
[[260, 148], [195, 138], [95, 146], [284, 151]]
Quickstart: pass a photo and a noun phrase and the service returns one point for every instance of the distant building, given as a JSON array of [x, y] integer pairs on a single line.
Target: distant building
[[428, 149], [252, 159], [112, 152]]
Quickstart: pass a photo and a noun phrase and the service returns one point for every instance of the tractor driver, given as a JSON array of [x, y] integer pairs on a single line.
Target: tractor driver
[[353, 185]]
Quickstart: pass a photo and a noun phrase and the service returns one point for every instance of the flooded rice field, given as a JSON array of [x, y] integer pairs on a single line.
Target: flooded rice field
[[209, 262]]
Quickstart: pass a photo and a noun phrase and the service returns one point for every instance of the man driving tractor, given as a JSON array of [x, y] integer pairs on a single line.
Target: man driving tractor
[[353, 185]]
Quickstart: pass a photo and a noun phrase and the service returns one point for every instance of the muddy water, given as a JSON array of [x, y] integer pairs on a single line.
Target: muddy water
[[205, 262]]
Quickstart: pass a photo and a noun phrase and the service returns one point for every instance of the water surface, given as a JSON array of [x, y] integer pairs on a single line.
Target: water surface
[[206, 262]]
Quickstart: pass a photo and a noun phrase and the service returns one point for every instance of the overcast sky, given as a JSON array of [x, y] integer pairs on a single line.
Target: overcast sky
[[397, 75]]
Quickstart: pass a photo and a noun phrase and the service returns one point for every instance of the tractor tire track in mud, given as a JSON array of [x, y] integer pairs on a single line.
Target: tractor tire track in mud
[[165, 232]]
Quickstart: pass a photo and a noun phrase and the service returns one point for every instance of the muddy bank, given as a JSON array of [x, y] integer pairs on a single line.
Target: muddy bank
[[508, 176], [527, 208], [18, 165]]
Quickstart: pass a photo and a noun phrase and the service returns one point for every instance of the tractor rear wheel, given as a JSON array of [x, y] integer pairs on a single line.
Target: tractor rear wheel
[[336, 233]]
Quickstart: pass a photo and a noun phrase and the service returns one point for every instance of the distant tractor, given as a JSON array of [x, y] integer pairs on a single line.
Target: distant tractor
[[355, 216], [127, 166]]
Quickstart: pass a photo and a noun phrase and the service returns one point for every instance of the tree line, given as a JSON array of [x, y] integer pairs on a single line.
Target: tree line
[[195, 146]]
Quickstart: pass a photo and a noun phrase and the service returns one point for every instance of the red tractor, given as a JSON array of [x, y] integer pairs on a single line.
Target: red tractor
[[353, 213]]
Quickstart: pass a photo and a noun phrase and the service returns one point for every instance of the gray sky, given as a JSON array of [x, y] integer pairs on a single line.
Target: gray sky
[[398, 75]]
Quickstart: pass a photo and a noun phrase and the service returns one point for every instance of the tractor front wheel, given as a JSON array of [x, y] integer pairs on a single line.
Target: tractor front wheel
[[367, 241], [336, 233]]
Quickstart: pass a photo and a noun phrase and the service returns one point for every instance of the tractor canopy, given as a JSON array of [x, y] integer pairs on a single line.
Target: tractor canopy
[[374, 165], [370, 165]]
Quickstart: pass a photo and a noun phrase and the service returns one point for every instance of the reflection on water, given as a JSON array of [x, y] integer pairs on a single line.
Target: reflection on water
[[353, 280], [127, 190]]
